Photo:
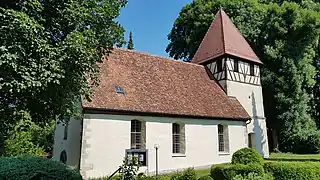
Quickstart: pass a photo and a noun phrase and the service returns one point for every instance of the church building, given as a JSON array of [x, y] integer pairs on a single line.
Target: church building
[[194, 113]]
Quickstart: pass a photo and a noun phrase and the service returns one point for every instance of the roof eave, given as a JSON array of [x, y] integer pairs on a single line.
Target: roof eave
[[93, 110]]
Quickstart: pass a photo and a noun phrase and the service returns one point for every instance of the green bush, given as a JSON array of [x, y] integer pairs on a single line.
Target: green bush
[[293, 170], [302, 143], [206, 177], [30, 167], [253, 176], [246, 156], [188, 174], [228, 171]]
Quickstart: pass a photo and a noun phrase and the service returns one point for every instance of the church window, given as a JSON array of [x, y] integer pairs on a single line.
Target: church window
[[251, 138], [63, 156], [219, 65], [236, 65], [251, 69], [223, 138], [178, 138], [138, 134], [66, 128]]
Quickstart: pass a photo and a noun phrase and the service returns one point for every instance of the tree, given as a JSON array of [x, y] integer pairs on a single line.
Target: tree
[[28, 138], [130, 43], [284, 36], [50, 50]]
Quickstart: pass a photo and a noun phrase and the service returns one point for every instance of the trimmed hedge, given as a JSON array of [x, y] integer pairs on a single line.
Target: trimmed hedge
[[293, 170], [246, 156], [253, 176], [228, 171], [30, 167]]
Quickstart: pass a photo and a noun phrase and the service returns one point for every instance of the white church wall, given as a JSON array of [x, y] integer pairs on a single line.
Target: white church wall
[[251, 98], [105, 138], [71, 145]]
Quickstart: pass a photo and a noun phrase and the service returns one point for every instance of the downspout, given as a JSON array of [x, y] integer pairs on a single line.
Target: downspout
[[250, 120]]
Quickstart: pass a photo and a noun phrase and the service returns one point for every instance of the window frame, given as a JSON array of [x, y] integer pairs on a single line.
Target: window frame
[[66, 128], [136, 134], [63, 157], [236, 65], [251, 69], [219, 65], [223, 139], [176, 135]]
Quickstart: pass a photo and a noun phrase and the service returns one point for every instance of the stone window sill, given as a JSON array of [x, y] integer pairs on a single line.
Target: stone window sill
[[178, 155], [224, 153]]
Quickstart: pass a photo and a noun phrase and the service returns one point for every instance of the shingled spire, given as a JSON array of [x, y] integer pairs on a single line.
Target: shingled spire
[[223, 38]]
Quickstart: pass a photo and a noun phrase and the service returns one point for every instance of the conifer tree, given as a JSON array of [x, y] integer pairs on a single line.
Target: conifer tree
[[130, 43]]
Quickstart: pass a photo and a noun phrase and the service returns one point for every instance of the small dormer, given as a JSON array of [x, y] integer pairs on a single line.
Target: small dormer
[[226, 54]]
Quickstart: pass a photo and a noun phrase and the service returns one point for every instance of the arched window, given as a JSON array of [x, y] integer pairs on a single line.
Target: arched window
[[138, 134], [178, 139], [63, 156], [223, 138]]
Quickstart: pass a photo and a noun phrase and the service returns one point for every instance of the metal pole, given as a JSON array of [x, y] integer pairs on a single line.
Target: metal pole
[[156, 163]]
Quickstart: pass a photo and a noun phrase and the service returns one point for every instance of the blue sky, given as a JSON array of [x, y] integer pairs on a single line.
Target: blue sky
[[150, 22]]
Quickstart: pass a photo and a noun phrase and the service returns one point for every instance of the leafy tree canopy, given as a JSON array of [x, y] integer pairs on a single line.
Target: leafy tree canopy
[[49, 50], [28, 138]]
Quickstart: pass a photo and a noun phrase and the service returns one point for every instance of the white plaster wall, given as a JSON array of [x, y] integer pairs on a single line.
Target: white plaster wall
[[251, 98], [105, 138], [71, 145]]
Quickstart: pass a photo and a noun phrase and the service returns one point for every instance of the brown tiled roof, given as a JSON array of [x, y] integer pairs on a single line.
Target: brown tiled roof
[[153, 84], [223, 38]]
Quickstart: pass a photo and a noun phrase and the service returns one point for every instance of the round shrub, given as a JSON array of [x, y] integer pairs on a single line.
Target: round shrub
[[207, 177], [32, 167], [246, 156]]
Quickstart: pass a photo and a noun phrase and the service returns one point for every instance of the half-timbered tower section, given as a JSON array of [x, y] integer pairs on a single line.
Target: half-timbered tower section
[[229, 60]]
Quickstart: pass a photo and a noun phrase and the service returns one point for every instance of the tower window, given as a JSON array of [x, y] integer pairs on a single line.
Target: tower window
[[66, 128], [236, 65], [219, 65], [251, 69]]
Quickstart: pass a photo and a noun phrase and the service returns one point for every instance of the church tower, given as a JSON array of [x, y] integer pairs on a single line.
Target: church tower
[[231, 62]]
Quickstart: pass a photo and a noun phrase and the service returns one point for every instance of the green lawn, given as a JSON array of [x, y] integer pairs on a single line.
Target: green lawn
[[200, 172], [294, 157], [203, 172]]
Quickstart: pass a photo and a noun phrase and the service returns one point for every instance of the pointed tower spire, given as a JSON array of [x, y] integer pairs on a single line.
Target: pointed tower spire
[[223, 38]]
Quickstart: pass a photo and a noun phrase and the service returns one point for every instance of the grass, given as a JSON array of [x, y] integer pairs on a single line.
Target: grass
[[294, 157], [203, 172], [199, 172]]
